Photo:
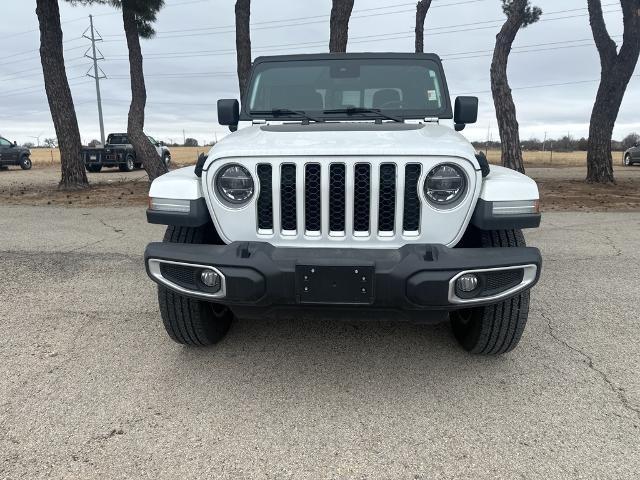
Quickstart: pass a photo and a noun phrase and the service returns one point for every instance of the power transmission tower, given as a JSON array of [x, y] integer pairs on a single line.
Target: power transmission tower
[[98, 74]]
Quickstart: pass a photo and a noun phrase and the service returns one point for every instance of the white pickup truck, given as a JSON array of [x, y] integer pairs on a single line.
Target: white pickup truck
[[343, 194]]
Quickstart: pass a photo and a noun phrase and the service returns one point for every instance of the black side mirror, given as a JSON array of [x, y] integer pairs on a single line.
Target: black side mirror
[[466, 111], [15, 144], [229, 113]]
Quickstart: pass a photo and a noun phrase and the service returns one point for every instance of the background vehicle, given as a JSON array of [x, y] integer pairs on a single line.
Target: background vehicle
[[12, 154], [346, 197], [631, 156], [118, 152]]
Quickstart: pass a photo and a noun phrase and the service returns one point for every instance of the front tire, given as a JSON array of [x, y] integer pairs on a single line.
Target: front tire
[[627, 161], [94, 168], [493, 329], [166, 159], [25, 163], [190, 321]]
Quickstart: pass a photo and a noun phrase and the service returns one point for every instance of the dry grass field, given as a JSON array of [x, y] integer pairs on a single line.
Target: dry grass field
[[188, 155], [179, 155]]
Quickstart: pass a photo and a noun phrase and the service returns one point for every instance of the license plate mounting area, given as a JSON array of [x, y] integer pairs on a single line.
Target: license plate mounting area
[[345, 285]]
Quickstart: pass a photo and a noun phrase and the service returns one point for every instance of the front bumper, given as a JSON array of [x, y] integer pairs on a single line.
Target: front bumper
[[413, 277]]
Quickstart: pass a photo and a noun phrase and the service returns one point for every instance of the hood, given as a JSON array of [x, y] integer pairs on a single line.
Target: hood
[[332, 139]]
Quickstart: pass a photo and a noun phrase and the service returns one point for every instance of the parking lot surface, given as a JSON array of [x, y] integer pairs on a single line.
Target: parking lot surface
[[91, 386]]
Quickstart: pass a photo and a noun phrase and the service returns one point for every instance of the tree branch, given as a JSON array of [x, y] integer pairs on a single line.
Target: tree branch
[[606, 46]]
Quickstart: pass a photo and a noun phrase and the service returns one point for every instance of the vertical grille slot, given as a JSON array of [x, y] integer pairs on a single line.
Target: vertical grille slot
[[387, 198], [265, 200], [312, 197], [411, 214], [361, 197], [337, 179], [288, 210]]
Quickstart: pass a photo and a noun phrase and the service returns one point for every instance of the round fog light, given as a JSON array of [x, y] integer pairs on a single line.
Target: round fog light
[[210, 278], [467, 282]]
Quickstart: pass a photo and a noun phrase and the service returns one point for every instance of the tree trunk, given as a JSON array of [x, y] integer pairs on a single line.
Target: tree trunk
[[616, 72], [502, 98], [422, 8], [243, 43], [59, 96], [145, 151], [339, 25]]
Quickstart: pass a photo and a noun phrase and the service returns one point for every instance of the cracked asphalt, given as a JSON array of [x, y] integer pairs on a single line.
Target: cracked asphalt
[[91, 387]]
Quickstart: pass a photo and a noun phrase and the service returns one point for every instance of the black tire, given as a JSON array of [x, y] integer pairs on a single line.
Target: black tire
[[25, 162], [188, 321], [166, 159], [94, 168], [493, 329], [138, 166], [128, 165], [627, 161]]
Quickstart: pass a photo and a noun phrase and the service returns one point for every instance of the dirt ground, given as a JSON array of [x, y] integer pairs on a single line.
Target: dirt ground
[[562, 189]]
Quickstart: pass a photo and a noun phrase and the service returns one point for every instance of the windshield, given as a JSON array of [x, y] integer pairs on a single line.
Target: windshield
[[407, 87]]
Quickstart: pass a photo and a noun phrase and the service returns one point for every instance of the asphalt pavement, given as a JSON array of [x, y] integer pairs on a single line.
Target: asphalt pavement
[[92, 387]]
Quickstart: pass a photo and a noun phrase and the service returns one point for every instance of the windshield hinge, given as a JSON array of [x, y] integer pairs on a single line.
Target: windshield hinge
[[431, 120], [258, 121]]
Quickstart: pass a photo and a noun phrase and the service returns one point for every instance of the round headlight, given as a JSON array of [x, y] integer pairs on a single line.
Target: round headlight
[[234, 184], [445, 185]]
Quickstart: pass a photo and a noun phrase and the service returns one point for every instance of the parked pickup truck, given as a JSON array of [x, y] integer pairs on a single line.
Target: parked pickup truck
[[343, 195], [118, 152], [12, 154]]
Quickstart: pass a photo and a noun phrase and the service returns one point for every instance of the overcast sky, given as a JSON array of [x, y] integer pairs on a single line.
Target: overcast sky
[[191, 62]]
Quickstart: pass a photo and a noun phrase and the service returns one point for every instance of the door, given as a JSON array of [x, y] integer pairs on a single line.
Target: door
[[156, 144], [635, 153], [8, 153]]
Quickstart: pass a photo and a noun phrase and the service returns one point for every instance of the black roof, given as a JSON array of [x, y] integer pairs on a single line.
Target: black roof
[[328, 56]]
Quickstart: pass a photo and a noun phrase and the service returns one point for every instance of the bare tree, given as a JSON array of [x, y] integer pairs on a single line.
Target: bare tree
[[422, 8], [243, 43], [59, 96], [138, 17], [520, 14], [339, 25], [616, 70], [630, 141]]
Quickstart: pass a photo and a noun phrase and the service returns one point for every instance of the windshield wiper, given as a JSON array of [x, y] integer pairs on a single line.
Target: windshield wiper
[[357, 110], [280, 112]]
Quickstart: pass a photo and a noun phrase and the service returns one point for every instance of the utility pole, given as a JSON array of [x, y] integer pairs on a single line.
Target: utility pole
[[544, 142], [98, 74], [184, 138]]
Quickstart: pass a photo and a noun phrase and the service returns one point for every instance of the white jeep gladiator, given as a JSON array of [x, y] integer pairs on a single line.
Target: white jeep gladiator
[[343, 195]]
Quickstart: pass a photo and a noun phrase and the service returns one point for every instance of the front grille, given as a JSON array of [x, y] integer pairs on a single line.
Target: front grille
[[336, 200], [265, 200], [361, 197], [387, 203], [312, 198], [337, 186], [411, 221], [288, 211]]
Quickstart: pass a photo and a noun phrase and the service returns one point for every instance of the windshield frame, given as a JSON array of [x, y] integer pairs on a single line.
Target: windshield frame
[[446, 112]]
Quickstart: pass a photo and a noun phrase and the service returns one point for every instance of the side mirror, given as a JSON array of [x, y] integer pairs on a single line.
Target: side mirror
[[229, 113], [466, 111], [161, 143], [15, 144]]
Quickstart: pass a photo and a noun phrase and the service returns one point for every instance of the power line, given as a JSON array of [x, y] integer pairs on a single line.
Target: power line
[[529, 87]]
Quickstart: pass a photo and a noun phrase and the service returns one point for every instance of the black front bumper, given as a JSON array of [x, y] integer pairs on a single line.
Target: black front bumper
[[414, 277]]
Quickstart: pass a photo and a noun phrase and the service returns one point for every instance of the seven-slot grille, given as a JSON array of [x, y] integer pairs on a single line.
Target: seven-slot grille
[[360, 200]]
